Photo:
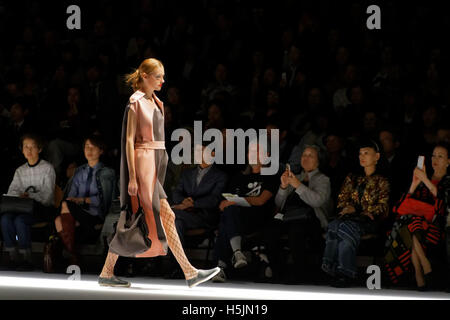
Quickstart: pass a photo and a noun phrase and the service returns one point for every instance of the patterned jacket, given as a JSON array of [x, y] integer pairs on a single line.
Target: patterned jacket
[[368, 194]]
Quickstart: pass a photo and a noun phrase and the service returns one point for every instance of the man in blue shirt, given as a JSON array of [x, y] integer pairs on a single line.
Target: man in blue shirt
[[89, 197]]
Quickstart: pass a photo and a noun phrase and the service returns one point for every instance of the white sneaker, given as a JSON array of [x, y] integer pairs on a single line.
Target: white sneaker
[[220, 277], [239, 260]]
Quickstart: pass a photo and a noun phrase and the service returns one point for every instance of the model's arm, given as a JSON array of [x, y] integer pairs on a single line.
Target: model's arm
[[131, 133]]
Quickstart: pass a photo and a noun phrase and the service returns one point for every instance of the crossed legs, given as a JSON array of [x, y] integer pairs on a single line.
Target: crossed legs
[[420, 262]]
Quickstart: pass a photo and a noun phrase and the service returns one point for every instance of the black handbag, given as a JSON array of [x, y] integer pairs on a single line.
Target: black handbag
[[17, 205], [297, 209], [301, 213], [131, 236]]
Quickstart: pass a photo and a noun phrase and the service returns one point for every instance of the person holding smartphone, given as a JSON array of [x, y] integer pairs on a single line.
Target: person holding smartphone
[[417, 236], [304, 203]]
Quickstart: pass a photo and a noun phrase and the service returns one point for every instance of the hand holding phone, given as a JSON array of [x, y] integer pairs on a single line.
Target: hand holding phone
[[288, 168], [285, 177]]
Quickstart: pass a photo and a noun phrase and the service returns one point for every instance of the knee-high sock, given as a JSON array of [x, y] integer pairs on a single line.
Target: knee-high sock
[[108, 267], [168, 221]]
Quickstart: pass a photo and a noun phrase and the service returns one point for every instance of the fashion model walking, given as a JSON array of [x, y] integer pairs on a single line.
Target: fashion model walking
[[142, 173]]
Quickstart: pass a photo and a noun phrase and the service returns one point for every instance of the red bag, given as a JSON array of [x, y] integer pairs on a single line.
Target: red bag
[[417, 208]]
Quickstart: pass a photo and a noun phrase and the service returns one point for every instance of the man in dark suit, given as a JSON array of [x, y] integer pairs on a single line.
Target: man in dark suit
[[196, 197], [195, 200]]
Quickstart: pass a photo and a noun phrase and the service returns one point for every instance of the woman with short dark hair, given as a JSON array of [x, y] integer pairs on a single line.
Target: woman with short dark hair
[[89, 196], [363, 203]]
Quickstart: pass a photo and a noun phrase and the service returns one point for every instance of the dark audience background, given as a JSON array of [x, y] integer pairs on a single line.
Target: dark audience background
[[310, 68]]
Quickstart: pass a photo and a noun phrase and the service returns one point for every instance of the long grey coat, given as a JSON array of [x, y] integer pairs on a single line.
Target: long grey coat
[[151, 204]]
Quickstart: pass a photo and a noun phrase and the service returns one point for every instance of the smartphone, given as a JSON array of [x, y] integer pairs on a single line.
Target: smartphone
[[288, 167], [420, 162]]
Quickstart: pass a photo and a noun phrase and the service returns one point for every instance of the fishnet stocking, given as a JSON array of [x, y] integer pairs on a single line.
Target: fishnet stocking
[[168, 221], [108, 267]]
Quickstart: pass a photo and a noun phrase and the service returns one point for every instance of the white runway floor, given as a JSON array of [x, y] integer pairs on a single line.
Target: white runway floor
[[38, 286]]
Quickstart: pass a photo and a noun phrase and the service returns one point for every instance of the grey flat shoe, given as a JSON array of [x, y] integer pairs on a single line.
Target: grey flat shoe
[[113, 282], [202, 276]]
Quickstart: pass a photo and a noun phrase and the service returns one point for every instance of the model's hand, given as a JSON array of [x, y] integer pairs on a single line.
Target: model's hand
[[132, 187], [24, 195]]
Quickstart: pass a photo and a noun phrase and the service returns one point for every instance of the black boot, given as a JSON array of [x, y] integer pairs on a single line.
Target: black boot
[[10, 261], [27, 263], [429, 280]]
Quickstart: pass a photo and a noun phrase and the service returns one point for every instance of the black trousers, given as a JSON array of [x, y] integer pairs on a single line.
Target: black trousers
[[299, 235], [85, 232]]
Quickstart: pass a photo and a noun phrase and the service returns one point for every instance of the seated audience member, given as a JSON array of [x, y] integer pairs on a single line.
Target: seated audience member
[[174, 171], [443, 133], [396, 163], [69, 167], [335, 165], [304, 200], [197, 197], [196, 200], [314, 136], [216, 116], [66, 131], [285, 141], [236, 221], [19, 124], [419, 230], [89, 196], [363, 204], [35, 180]]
